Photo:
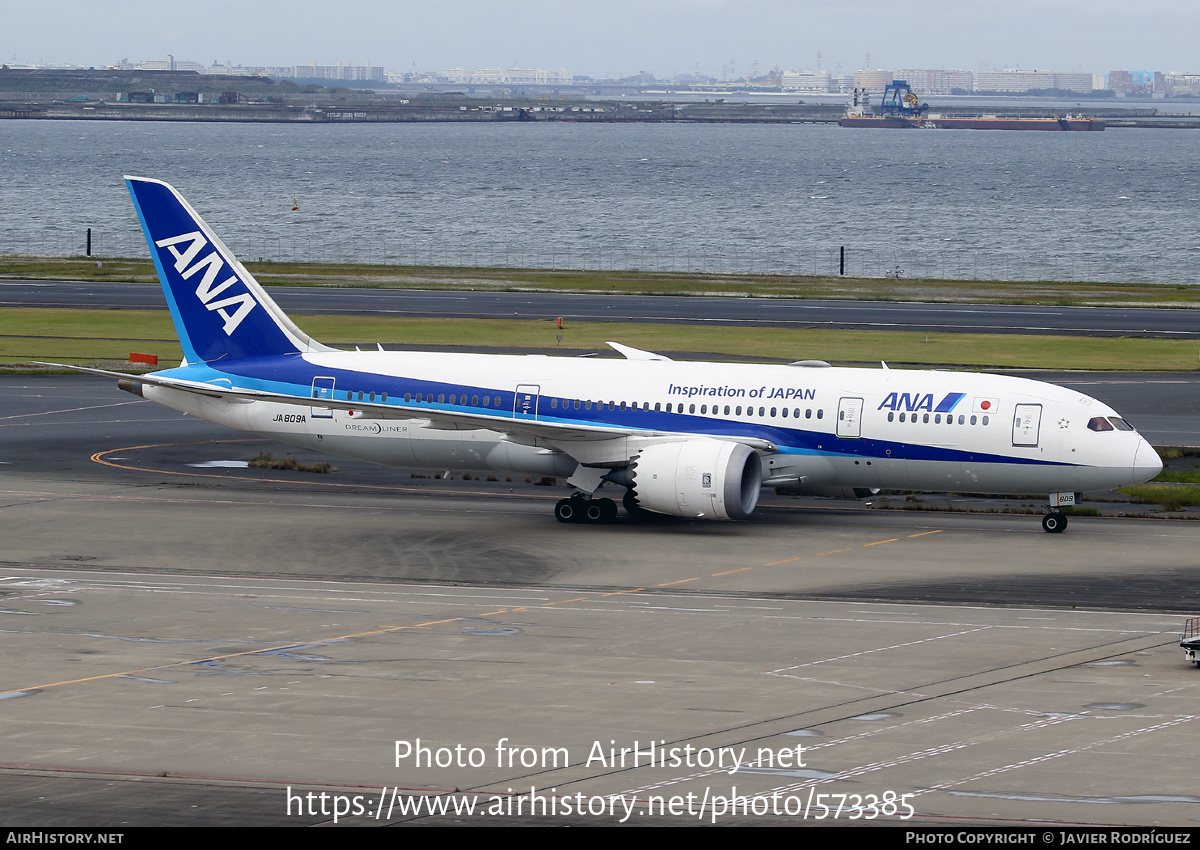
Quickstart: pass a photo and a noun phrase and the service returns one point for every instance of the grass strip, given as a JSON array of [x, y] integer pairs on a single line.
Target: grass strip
[[1172, 497]]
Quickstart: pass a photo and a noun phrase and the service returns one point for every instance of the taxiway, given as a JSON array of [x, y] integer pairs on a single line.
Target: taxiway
[[670, 309], [206, 644]]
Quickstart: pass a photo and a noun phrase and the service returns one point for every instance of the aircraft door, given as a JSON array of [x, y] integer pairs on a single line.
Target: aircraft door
[[525, 401], [1027, 423], [322, 388], [849, 421]]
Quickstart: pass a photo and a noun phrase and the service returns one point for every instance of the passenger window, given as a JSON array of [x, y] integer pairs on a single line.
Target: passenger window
[[408, 397], [820, 413], [924, 417], [704, 408], [691, 408], [985, 420], [808, 413], [441, 398], [656, 406], [972, 419], [937, 419], [785, 413], [726, 410], [475, 401], [772, 411], [486, 399], [891, 416]]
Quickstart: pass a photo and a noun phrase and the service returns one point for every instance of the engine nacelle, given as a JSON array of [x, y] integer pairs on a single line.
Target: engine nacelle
[[701, 479]]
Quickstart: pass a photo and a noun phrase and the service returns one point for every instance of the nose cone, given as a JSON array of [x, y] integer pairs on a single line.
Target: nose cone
[[1146, 462]]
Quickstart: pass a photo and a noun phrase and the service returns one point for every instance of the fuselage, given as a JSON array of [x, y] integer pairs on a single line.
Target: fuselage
[[853, 427]]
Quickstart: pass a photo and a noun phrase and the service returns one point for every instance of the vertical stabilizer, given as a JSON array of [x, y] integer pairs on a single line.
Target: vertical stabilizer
[[220, 311]]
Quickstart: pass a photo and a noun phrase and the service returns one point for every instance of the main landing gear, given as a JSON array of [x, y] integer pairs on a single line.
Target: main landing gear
[[1054, 522], [591, 511]]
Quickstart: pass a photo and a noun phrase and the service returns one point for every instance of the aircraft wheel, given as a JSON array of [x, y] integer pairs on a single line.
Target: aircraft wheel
[[567, 510], [608, 510], [1054, 523], [592, 511]]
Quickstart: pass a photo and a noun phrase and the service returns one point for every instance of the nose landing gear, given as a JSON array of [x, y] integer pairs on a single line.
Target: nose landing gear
[[1055, 522]]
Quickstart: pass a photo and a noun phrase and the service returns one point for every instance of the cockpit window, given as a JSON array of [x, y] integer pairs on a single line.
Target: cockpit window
[[1099, 423], [1120, 424]]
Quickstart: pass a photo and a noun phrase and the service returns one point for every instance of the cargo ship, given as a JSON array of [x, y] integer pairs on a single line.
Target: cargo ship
[[901, 109]]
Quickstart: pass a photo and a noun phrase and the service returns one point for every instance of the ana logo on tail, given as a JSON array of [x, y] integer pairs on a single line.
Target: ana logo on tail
[[205, 291]]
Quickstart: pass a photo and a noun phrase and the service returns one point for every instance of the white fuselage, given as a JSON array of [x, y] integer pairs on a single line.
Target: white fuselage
[[852, 427]]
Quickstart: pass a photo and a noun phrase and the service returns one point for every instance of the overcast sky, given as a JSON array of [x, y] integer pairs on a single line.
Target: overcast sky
[[616, 37]]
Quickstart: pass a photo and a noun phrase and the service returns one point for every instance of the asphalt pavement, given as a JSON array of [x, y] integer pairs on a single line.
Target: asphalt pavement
[[730, 311]]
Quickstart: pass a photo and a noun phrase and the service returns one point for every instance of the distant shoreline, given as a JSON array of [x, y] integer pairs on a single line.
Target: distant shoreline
[[587, 112]]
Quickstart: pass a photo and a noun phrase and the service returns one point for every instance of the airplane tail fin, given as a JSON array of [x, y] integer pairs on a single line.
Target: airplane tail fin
[[220, 311]]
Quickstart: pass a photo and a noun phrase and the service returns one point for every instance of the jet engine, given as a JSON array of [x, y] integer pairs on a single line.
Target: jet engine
[[701, 479]]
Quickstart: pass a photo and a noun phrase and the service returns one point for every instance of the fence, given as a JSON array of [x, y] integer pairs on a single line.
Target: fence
[[873, 262]]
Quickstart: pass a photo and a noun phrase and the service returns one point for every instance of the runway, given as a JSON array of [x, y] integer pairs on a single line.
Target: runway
[[212, 644], [762, 312]]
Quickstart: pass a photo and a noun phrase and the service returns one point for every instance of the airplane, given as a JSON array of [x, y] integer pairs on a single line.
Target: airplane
[[685, 439]]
